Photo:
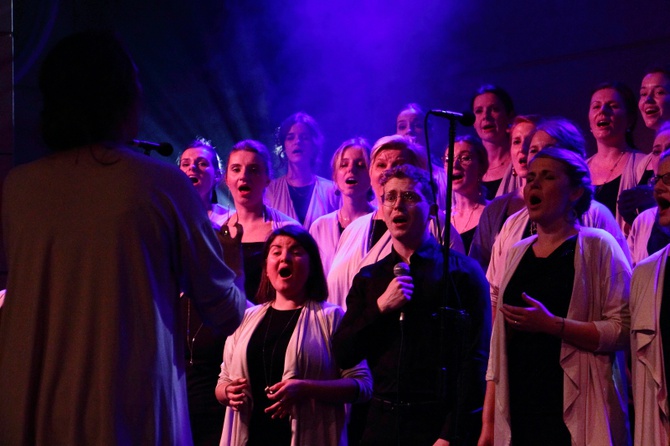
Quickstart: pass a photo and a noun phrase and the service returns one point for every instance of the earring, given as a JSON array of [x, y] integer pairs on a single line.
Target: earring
[[514, 174]]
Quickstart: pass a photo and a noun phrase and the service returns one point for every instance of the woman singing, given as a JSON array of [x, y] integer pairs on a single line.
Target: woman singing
[[564, 313], [278, 377]]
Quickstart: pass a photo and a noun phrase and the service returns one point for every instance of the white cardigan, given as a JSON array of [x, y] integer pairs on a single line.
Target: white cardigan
[[308, 356], [650, 391], [594, 407], [598, 216], [638, 238]]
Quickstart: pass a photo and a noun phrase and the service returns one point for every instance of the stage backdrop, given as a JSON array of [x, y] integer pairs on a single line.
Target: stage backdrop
[[233, 70]]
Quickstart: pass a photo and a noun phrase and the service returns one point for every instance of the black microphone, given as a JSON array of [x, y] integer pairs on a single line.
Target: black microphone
[[401, 269], [163, 148], [466, 118]]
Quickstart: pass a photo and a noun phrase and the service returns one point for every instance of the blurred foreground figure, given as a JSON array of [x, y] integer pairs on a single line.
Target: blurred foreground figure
[[100, 242]]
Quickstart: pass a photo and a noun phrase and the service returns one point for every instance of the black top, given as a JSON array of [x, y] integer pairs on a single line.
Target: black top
[[467, 238], [411, 352], [301, 196], [266, 354], [252, 253], [492, 188], [203, 352], [535, 374], [377, 229], [664, 322], [659, 238], [646, 176], [608, 194]]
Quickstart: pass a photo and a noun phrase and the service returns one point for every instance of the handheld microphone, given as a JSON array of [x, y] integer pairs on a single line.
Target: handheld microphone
[[466, 118], [162, 148], [401, 269]]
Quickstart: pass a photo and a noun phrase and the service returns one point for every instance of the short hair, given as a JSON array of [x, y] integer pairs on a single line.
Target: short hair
[[565, 132], [89, 89], [312, 125], [415, 174], [357, 142], [629, 104], [202, 143], [576, 170], [478, 150], [416, 157], [500, 93], [253, 146], [316, 286]]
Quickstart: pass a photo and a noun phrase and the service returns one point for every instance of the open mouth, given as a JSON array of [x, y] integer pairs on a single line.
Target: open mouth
[[399, 219], [244, 188], [284, 272], [194, 180], [351, 181], [457, 176], [523, 161], [651, 110], [603, 123], [533, 200]]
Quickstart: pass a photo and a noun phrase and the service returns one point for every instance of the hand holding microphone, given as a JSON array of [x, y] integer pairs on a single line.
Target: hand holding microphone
[[398, 292]]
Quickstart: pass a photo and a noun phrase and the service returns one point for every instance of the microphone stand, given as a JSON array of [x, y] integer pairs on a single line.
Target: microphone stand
[[457, 317]]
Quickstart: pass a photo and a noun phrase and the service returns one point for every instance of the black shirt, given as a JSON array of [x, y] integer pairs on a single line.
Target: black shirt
[[411, 352], [535, 373]]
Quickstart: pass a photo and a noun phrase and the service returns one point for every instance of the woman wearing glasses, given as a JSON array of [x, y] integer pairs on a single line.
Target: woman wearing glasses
[[470, 165], [646, 234], [650, 326]]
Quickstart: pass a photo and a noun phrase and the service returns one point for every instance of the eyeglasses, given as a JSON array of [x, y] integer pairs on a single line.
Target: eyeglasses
[[464, 160], [409, 197], [665, 178]]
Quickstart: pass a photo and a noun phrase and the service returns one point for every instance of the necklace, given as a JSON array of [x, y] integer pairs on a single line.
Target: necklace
[[190, 342], [463, 228], [225, 229], [609, 174], [268, 373]]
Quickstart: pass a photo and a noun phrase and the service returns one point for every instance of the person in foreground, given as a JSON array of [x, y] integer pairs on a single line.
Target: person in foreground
[[563, 313], [278, 377], [650, 328], [395, 323], [97, 261]]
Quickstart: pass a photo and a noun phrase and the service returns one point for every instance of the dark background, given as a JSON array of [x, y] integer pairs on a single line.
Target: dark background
[[233, 70]]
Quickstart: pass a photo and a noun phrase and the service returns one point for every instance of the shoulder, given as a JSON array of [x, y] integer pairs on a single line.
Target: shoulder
[[358, 225], [595, 235], [328, 308], [325, 220], [277, 183], [323, 182], [375, 270], [646, 217], [499, 204], [596, 240], [649, 264], [280, 218]]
